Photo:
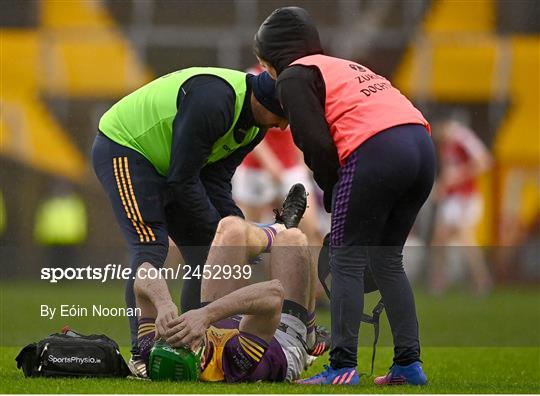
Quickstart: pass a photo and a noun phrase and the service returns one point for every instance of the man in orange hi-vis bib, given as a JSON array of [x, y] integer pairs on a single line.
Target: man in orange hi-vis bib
[[371, 152]]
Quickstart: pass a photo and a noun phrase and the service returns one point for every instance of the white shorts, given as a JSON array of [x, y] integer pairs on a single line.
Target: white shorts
[[256, 187], [461, 211], [293, 348]]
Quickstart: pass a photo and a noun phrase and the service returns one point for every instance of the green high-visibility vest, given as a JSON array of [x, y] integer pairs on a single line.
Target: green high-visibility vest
[[61, 221], [143, 119]]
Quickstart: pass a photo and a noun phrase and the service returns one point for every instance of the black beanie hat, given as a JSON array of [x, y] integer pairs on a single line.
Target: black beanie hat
[[286, 35], [264, 89]]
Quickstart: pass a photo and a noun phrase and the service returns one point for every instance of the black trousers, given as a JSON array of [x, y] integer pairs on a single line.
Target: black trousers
[[380, 191], [136, 192]]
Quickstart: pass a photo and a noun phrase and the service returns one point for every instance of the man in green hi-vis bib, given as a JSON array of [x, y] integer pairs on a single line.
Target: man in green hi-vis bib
[[165, 155]]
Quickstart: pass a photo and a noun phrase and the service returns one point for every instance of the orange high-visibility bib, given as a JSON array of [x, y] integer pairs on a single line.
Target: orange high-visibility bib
[[359, 103]]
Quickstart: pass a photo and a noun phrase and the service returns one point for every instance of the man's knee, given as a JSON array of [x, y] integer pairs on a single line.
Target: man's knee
[[387, 262], [291, 237], [155, 254], [231, 231], [291, 246]]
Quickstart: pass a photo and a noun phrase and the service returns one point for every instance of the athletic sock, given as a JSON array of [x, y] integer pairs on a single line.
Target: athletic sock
[[311, 329], [145, 337], [271, 233], [310, 322], [293, 308]]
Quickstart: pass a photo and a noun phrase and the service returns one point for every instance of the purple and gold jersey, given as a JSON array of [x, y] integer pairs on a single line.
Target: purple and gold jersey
[[236, 356]]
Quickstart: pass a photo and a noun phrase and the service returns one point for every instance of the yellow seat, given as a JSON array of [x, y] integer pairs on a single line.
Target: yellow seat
[[30, 134], [19, 62], [518, 139], [87, 54], [451, 16], [96, 64], [449, 68]]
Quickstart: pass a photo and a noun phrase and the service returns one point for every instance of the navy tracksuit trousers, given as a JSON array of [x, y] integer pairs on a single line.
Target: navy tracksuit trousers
[[380, 191]]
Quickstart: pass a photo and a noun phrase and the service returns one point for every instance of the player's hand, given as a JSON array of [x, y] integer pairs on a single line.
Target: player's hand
[[188, 329], [165, 314]]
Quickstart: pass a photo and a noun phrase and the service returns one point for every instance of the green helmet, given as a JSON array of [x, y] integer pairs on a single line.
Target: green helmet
[[174, 364]]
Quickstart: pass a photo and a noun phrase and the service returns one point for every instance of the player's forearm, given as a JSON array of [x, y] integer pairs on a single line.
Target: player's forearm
[[154, 290], [257, 299]]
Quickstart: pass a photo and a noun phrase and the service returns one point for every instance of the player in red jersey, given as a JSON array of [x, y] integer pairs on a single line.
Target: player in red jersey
[[268, 172], [463, 158]]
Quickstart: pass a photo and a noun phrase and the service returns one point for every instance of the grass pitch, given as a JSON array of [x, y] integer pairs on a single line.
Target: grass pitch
[[470, 345], [450, 370]]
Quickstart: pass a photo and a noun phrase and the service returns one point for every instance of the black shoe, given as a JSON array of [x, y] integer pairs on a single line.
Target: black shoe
[[293, 208]]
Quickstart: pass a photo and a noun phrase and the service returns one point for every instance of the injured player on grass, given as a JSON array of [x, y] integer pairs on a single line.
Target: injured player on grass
[[243, 332]]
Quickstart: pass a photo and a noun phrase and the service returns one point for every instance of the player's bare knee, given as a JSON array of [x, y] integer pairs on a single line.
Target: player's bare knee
[[291, 237], [231, 231]]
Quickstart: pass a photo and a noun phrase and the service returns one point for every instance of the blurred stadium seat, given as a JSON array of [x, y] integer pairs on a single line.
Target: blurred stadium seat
[[67, 54], [29, 133]]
